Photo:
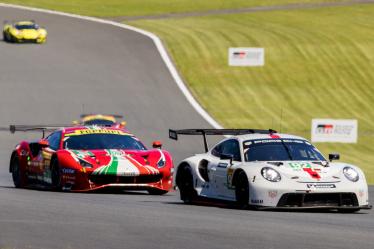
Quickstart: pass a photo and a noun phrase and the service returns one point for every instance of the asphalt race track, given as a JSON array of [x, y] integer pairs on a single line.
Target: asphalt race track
[[90, 67]]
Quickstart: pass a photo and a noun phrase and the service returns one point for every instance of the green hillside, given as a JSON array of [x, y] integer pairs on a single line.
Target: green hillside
[[111, 8], [319, 64]]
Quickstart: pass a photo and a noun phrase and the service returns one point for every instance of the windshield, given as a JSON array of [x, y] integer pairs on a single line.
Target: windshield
[[27, 26], [102, 141], [99, 122], [281, 150]]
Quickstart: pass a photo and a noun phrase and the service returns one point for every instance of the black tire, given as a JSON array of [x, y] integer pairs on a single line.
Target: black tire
[[18, 176], [242, 190], [4, 37], [56, 174], [157, 192], [185, 184]]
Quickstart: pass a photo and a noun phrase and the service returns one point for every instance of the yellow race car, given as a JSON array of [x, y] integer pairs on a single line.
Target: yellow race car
[[24, 31], [106, 120]]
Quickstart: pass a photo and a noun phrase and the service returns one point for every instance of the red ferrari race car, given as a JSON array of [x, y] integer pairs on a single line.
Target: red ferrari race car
[[90, 158]]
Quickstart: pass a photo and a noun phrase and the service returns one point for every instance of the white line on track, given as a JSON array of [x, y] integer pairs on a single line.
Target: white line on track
[[161, 49]]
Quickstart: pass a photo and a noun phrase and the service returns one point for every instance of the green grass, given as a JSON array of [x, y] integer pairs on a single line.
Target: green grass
[[319, 64], [111, 8]]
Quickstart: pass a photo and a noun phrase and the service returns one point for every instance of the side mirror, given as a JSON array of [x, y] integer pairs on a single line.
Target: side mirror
[[122, 124], [226, 157], [75, 122], [43, 143], [157, 145], [334, 156]]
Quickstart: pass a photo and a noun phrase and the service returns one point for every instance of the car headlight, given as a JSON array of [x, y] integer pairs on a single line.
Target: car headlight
[[351, 174], [84, 163], [270, 174], [161, 163]]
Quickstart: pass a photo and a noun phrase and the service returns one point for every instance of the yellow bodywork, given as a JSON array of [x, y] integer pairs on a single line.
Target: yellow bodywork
[[24, 31]]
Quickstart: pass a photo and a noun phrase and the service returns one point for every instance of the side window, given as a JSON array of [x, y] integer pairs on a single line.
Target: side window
[[217, 151], [231, 147], [54, 140]]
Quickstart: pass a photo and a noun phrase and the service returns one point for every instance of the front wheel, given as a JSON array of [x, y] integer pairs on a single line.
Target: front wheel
[[242, 190], [157, 191], [56, 175], [4, 36], [185, 184]]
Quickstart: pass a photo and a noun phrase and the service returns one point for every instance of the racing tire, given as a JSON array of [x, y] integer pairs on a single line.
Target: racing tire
[[4, 37], [157, 191], [19, 178], [185, 184], [242, 190], [56, 174]]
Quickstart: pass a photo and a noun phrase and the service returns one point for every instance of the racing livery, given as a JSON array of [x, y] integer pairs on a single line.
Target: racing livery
[[24, 31], [90, 158], [263, 169], [101, 120]]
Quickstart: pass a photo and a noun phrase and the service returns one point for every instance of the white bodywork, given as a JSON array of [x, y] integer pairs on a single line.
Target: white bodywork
[[296, 176]]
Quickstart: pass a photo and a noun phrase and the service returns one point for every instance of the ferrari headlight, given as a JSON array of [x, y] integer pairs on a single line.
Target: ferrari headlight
[[351, 174], [161, 163], [270, 174], [84, 164]]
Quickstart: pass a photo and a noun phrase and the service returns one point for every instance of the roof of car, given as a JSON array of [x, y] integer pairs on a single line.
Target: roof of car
[[267, 136], [24, 23]]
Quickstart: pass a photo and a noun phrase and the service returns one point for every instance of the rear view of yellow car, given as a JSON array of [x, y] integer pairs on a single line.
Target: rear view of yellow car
[[24, 32]]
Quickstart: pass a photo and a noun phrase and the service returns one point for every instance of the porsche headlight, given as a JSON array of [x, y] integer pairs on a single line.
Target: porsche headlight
[[270, 174], [84, 164], [351, 174]]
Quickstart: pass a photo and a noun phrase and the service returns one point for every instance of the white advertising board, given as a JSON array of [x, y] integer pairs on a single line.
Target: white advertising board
[[334, 130], [246, 57]]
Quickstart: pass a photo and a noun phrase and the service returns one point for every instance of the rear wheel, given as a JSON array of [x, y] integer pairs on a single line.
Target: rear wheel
[[4, 36], [185, 184], [19, 177], [157, 191], [56, 174], [242, 190]]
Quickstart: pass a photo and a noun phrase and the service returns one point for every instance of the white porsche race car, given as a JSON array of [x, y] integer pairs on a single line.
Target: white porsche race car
[[264, 169]]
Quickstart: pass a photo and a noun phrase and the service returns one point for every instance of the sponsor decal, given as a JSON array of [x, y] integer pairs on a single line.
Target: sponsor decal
[[334, 130], [95, 131], [273, 193], [246, 56], [361, 193], [320, 185], [307, 167], [67, 171], [257, 201], [222, 165]]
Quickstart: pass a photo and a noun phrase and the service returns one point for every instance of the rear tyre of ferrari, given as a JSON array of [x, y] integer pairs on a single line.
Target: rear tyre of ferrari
[[157, 191], [242, 190], [185, 184], [19, 177], [56, 174]]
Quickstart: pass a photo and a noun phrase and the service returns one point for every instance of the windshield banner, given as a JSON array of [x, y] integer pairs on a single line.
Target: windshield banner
[[334, 130]]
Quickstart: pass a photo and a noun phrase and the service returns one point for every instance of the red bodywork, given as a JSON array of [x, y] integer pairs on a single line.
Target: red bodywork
[[88, 170]]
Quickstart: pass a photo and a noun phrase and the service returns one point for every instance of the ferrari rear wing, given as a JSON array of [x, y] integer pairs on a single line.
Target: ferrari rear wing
[[42, 128], [173, 134]]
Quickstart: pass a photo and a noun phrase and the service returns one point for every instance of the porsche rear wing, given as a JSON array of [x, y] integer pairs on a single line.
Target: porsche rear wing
[[28, 128], [173, 134]]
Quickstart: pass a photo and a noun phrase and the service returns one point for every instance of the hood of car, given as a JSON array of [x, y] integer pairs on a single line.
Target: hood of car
[[306, 171], [26, 33], [115, 162]]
